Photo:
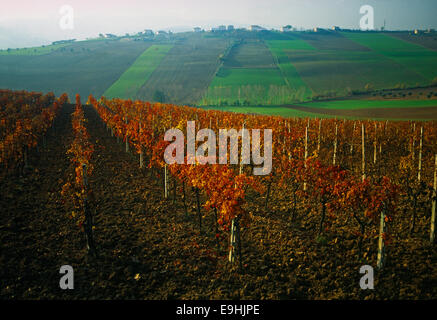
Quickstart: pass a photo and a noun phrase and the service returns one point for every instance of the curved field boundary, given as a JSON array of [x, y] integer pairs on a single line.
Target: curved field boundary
[[369, 104], [413, 56], [288, 70], [127, 86], [34, 51], [418, 113]]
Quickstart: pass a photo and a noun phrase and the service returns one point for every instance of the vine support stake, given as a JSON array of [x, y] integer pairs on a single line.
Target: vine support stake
[[127, 138], [335, 145], [141, 149], [319, 138], [165, 182], [434, 200], [419, 174], [88, 226], [363, 150], [306, 156], [381, 245]]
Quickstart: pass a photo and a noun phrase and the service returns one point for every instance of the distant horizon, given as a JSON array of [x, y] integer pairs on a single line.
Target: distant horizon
[[207, 29], [25, 23]]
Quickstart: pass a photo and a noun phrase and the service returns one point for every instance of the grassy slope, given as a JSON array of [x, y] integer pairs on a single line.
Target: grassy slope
[[289, 72], [34, 51], [91, 68], [132, 79], [186, 71], [342, 71], [250, 73], [415, 57], [270, 110], [247, 76]]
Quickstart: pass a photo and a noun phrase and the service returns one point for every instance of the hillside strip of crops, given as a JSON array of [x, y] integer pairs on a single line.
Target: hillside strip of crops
[[412, 56], [138, 73]]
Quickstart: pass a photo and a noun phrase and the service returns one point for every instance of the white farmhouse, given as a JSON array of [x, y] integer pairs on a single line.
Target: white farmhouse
[[256, 28], [287, 28]]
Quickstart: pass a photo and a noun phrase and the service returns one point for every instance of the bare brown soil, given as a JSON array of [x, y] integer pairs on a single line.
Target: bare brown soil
[[148, 249]]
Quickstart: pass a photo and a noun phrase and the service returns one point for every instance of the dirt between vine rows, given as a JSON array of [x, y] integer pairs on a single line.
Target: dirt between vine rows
[[148, 249]]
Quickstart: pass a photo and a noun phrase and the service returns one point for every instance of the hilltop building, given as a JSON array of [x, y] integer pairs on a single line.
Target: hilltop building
[[63, 41], [287, 28], [218, 29], [335, 28], [256, 28]]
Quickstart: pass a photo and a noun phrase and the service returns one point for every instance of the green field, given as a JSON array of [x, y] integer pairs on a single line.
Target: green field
[[246, 85], [250, 54], [247, 76], [251, 75], [270, 110], [279, 49], [34, 51], [186, 71], [127, 86], [88, 67], [341, 72], [369, 104], [340, 105], [238, 69], [412, 56]]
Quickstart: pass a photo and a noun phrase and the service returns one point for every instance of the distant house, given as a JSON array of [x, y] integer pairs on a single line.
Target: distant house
[[197, 29], [256, 28], [287, 28], [316, 29], [63, 41], [417, 31], [231, 27], [218, 29], [335, 28]]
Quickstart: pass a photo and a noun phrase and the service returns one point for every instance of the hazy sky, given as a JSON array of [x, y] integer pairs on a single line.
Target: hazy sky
[[31, 22]]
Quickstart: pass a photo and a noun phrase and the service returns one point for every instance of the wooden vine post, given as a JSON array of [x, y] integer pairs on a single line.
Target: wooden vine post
[[88, 225], [335, 145], [235, 240], [319, 138], [165, 182], [432, 236], [381, 245], [419, 174], [127, 138], [363, 150], [141, 148], [374, 146], [305, 156], [352, 137], [414, 142]]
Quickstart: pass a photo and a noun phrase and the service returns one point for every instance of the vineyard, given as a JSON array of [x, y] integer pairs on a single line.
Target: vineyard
[[88, 186]]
